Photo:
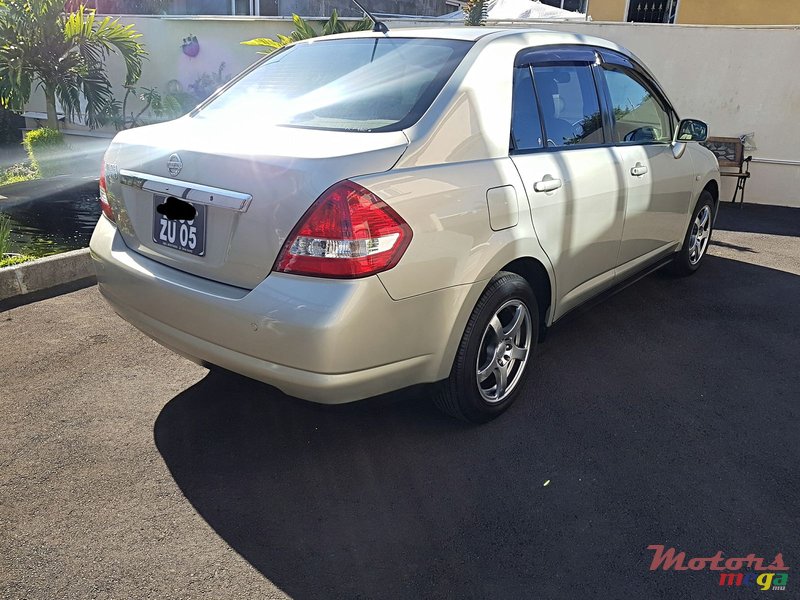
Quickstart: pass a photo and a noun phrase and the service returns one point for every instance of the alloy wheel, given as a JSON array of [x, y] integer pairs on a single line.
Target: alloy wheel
[[504, 351], [701, 232]]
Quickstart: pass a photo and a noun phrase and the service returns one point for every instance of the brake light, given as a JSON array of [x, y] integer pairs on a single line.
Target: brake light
[[104, 205], [347, 233]]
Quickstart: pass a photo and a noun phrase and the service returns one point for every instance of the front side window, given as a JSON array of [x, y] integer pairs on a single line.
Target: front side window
[[638, 115], [355, 84], [570, 107]]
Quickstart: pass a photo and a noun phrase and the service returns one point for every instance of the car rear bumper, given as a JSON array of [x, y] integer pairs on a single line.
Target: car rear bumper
[[329, 341]]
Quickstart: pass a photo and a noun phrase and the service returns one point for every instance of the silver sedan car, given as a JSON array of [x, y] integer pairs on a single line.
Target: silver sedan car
[[361, 213]]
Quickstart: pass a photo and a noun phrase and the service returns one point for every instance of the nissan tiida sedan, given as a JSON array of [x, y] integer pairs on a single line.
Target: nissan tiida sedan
[[361, 213]]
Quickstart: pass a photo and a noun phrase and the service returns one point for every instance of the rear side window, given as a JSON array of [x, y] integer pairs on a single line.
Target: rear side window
[[638, 115], [569, 104], [526, 127], [357, 84]]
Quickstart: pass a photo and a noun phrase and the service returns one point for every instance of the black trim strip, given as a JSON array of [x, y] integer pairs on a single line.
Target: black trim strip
[[614, 289]]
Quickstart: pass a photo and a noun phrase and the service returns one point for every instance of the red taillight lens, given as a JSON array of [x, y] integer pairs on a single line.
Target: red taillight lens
[[348, 232], [104, 194]]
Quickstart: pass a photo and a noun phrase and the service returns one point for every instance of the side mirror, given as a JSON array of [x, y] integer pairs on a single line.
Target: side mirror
[[691, 130]]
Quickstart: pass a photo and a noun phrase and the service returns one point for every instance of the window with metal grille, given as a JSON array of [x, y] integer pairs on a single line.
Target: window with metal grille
[[652, 11]]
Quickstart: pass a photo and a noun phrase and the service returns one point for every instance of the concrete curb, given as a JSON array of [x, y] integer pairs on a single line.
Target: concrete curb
[[46, 276]]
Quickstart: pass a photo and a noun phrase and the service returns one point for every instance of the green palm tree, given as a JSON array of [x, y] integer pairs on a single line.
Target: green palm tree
[[41, 45], [304, 31]]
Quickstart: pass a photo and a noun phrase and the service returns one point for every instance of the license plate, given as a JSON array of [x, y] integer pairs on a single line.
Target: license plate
[[186, 236]]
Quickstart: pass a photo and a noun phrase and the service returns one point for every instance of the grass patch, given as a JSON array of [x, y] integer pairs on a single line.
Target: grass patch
[[10, 261], [18, 172]]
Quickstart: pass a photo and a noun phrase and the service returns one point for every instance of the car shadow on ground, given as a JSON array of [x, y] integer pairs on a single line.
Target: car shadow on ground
[[759, 218], [666, 415]]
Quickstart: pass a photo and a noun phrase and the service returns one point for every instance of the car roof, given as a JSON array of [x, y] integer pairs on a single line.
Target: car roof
[[455, 32], [533, 36]]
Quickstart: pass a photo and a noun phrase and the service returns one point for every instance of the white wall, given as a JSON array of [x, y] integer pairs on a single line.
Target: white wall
[[738, 79]]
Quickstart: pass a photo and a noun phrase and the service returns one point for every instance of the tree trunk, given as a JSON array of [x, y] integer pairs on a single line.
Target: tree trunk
[[50, 100]]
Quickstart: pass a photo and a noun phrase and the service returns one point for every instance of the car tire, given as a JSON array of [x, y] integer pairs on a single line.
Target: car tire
[[698, 237], [495, 352]]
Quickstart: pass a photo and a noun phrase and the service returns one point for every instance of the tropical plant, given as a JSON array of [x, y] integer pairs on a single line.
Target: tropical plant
[[47, 151], [161, 107], [303, 30], [475, 12], [64, 54], [207, 83]]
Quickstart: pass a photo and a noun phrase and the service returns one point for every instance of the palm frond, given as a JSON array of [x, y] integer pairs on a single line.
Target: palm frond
[[333, 25], [302, 29], [96, 39]]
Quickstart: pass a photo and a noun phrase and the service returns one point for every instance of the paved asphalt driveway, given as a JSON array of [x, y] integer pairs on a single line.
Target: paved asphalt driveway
[[665, 415]]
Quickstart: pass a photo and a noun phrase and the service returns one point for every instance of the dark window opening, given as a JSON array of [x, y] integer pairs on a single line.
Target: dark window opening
[[652, 11], [569, 104], [639, 116], [526, 126]]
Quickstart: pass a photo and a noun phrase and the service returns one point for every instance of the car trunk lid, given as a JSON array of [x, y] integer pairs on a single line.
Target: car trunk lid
[[254, 184]]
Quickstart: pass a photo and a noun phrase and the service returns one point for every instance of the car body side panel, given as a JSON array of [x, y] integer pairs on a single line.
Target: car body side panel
[[657, 201], [579, 224], [446, 207], [706, 168]]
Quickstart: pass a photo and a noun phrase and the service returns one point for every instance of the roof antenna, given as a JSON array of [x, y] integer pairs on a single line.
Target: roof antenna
[[379, 26]]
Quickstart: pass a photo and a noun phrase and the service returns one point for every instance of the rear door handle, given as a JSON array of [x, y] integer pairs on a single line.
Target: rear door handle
[[547, 184], [638, 170]]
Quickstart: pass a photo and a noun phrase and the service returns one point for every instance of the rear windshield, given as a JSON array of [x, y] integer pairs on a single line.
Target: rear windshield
[[355, 84]]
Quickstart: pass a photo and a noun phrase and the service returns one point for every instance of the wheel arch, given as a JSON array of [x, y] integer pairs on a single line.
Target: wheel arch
[[535, 273], [532, 269], [712, 187]]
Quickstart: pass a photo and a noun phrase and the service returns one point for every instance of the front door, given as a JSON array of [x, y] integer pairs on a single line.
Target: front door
[[659, 186]]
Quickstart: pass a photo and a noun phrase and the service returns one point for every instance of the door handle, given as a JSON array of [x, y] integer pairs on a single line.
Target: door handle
[[638, 170], [547, 184]]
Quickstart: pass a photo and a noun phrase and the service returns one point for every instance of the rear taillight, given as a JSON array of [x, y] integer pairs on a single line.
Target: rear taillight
[[104, 194], [348, 232]]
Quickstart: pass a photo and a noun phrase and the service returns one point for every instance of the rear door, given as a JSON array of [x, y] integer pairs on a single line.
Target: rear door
[[570, 171], [659, 186]]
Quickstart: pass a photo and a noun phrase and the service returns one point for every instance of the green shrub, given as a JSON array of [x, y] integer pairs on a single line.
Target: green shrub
[[10, 261], [48, 152], [18, 172], [5, 234]]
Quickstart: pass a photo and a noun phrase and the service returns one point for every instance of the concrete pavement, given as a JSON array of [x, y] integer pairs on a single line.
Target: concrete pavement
[[665, 415]]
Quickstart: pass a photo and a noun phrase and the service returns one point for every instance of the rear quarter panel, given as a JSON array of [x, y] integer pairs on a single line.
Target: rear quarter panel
[[453, 242]]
